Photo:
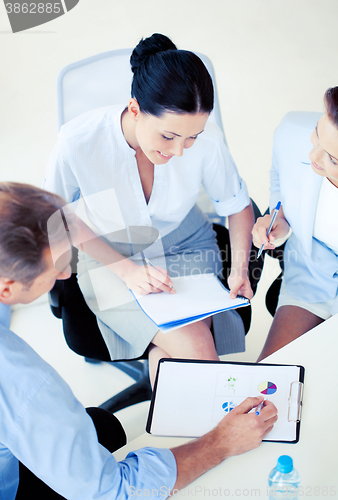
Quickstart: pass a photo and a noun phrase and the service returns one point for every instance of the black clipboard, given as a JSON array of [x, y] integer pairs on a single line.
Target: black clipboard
[[165, 417]]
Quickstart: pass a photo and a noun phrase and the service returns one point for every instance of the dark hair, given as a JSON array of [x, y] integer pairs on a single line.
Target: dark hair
[[331, 103], [25, 211], [167, 79]]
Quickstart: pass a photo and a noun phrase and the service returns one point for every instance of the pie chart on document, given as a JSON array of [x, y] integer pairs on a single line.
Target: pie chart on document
[[267, 388]]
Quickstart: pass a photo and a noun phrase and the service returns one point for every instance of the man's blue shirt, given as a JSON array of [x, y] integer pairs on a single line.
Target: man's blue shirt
[[45, 427]]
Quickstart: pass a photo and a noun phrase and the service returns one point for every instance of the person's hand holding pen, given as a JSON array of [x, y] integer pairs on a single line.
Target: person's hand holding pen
[[260, 234], [151, 266], [144, 279], [243, 429]]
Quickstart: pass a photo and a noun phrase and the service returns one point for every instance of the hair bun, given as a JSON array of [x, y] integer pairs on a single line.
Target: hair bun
[[148, 47]]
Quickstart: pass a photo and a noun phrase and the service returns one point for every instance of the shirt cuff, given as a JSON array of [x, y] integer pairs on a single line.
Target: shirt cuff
[[156, 472], [235, 204]]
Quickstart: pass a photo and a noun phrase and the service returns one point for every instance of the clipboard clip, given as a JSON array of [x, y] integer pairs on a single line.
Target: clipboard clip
[[295, 401]]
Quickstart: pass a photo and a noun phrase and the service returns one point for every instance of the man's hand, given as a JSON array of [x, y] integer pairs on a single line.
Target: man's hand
[[241, 431], [237, 432]]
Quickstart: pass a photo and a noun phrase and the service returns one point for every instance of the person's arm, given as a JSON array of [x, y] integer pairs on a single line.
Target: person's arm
[[46, 428], [61, 179], [229, 195], [240, 226], [141, 279], [238, 432]]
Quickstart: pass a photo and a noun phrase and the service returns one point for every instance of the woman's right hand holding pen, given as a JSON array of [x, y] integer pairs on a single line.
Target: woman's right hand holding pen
[[143, 279], [279, 230]]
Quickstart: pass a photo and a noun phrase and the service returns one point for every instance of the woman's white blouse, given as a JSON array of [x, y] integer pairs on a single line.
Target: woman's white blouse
[[326, 221], [93, 160]]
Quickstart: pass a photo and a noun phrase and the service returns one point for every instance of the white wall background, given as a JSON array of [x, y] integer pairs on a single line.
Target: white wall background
[[270, 57]]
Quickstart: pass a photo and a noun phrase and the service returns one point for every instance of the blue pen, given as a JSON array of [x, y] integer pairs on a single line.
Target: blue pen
[[259, 407], [273, 218]]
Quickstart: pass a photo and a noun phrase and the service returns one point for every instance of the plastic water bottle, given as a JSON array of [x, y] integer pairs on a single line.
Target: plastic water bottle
[[283, 480]]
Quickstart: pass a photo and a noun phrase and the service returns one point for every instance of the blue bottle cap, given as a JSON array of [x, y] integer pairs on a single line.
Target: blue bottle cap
[[284, 464]]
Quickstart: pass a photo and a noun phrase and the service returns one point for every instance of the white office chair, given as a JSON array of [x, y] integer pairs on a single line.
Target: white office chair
[[103, 80]]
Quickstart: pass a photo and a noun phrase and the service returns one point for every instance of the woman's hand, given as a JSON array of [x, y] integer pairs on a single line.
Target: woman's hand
[[240, 226], [239, 284], [279, 230], [144, 279]]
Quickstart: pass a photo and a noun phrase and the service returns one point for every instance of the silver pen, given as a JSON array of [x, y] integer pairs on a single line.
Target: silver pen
[[152, 265], [273, 218], [259, 407]]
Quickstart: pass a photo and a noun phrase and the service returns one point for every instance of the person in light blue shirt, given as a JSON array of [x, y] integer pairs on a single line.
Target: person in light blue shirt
[[46, 436], [304, 177]]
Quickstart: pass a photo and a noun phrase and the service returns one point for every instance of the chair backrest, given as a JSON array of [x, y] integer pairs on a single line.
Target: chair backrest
[[80, 327], [103, 80]]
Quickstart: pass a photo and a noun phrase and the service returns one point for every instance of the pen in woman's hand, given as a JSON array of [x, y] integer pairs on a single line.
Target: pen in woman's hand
[[273, 218], [152, 265]]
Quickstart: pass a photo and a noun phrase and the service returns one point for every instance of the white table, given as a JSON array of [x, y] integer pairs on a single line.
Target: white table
[[315, 455]]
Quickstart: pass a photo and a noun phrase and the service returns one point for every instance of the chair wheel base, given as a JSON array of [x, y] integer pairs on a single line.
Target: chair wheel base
[[136, 393]]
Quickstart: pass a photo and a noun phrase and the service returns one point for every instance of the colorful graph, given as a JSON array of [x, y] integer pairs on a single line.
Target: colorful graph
[[267, 388], [228, 406]]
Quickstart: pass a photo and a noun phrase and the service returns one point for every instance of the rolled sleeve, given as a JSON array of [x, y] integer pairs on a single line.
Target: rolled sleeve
[[235, 204], [151, 473], [221, 180]]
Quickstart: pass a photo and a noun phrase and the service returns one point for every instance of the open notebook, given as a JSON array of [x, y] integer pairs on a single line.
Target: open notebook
[[190, 397], [197, 297]]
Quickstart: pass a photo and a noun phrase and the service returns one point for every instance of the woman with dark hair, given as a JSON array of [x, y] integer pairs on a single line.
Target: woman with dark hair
[[309, 195], [127, 164]]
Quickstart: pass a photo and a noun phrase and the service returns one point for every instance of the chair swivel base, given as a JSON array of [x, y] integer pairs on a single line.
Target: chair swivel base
[[136, 393]]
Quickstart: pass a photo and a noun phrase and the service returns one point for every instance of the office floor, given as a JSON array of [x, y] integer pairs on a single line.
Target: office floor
[[95, 383]]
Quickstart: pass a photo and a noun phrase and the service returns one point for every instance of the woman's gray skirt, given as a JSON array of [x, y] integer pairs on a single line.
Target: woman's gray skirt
[[126, 329]]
